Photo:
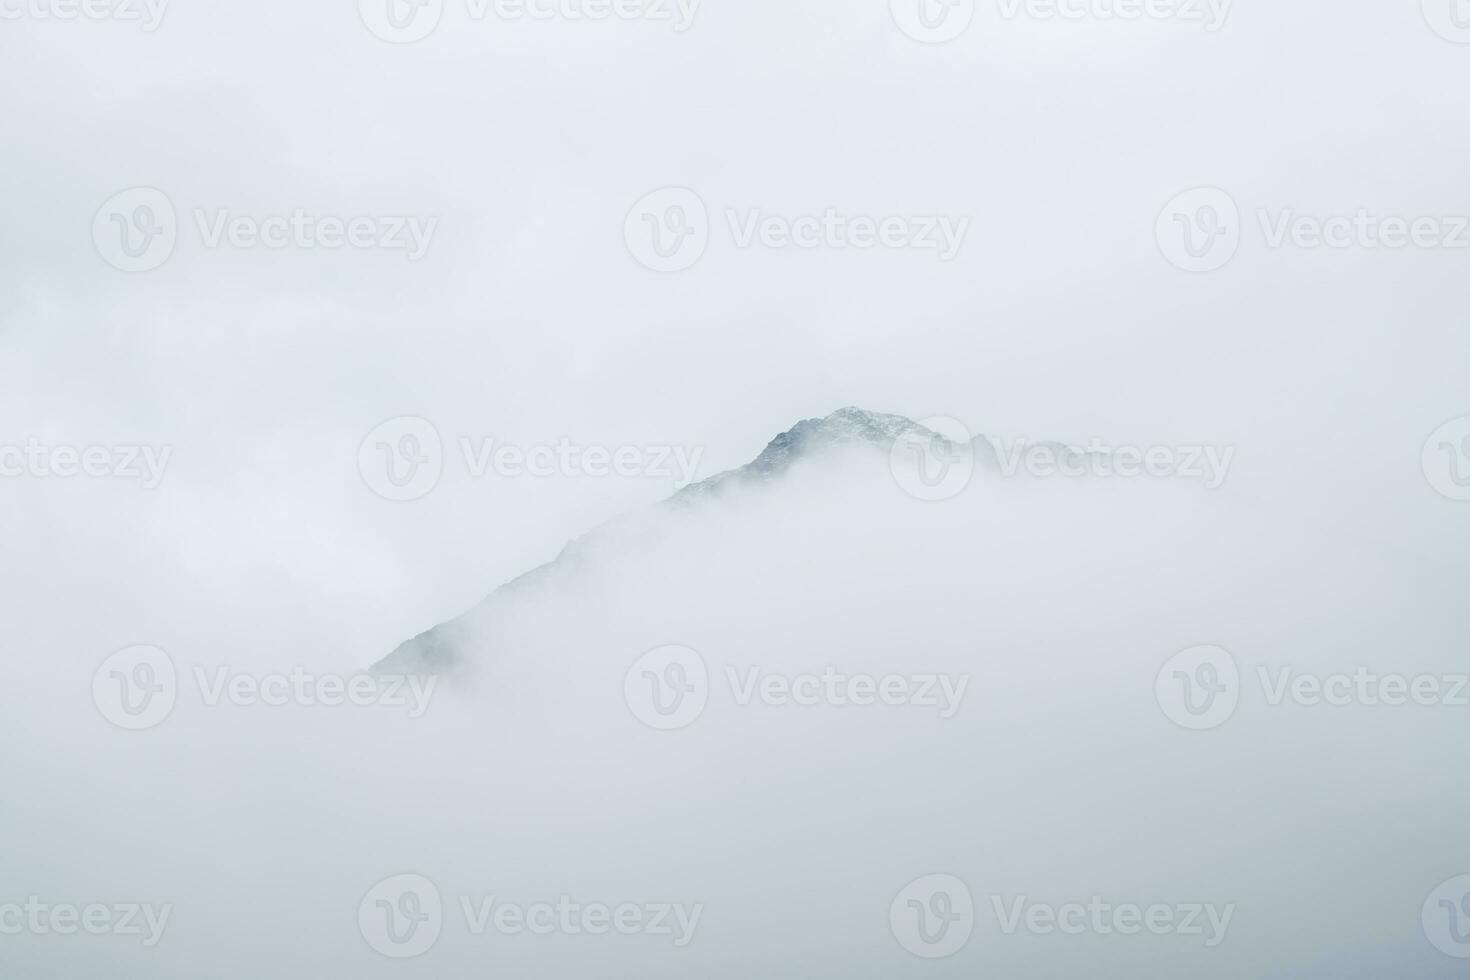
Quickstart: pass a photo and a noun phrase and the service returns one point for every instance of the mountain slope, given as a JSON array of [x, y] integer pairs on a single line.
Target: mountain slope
[[438, 650]]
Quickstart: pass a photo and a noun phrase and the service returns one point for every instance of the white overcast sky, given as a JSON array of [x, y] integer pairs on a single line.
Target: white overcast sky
[[529, 319]]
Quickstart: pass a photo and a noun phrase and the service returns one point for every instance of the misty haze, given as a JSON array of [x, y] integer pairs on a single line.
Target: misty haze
[[672, 489]]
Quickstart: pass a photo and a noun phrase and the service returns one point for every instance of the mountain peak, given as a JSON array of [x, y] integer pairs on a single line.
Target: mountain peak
[[438, 649], [844, 427]]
